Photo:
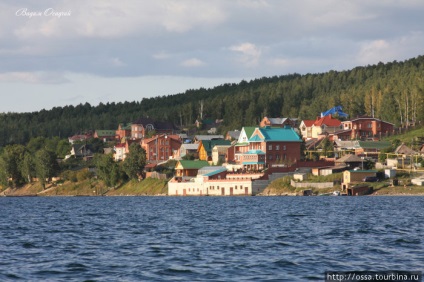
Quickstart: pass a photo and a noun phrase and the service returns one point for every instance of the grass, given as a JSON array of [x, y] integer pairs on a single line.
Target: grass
[[148, 186], [407, 137], [92, 187]]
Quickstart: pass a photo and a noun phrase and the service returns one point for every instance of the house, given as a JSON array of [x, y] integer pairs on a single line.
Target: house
[[105, 135], [267, 146], [370, 148], [205, 148], [161, 147], [364, 127], [123, 131], [79, 138], [185, 168], [198, 138], [232, 135], [313, 128], [219, 153], [141, 126], [278, 122], [119, 152], [81, 151], [187, 149], [350, 161], [351, 176], [405, 150]]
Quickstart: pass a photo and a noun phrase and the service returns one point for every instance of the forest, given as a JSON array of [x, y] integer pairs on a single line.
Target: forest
[[393, 92]]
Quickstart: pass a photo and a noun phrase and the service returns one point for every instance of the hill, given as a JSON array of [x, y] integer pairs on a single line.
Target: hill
[[393, 92]]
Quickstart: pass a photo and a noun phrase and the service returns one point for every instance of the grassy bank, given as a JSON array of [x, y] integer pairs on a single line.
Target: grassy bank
[[91, 187]]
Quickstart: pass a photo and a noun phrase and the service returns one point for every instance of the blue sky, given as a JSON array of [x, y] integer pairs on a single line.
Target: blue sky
[[55, 53]]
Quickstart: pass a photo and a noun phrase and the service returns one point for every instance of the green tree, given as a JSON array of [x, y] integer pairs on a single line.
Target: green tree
[[45, 166], [327, 147], [107, 170], [13, 156], [135, 161], [28, 168]]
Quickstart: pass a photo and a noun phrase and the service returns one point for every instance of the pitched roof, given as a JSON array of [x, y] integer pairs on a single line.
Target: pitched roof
[[308, 122], [280, 134], [193, 164], [235, 134], [249, 130], [209, 144], [191, 146], [349, 158], [403, 149], [328, 121]]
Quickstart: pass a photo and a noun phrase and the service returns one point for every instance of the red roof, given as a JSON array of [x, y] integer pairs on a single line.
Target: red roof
[[308, 123], [328, 121], [121, 145]]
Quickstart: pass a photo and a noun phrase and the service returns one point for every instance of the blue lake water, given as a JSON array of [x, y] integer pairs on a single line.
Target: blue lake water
[[207, 238]]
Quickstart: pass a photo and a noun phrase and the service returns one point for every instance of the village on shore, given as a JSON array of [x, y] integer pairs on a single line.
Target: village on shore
[[246, 161]]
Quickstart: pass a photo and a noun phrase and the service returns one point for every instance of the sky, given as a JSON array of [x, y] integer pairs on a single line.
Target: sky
[[67, 52]]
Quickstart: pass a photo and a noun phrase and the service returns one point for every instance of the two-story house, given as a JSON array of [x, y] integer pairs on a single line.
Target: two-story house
[[313, 128], [364, 127], [161, 147], [141, 126], [268, 146]]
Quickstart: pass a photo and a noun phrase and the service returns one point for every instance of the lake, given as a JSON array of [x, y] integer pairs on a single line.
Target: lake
[[207, 238]]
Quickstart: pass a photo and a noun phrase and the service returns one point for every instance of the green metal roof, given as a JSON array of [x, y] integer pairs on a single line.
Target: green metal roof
[[249, 130], [373, 144], [105, 132], [187, 164], [209, 144]]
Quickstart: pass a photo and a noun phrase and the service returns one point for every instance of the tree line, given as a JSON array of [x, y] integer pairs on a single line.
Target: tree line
[[393, 92], [42, 159]]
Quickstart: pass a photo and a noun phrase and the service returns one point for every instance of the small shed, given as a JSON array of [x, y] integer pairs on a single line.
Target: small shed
[[359, 190], [350, 176]]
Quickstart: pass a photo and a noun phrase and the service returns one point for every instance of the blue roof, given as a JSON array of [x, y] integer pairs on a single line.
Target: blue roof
[[255, 152], [212, 172], [248, 163], [278, 134], [256, 138]]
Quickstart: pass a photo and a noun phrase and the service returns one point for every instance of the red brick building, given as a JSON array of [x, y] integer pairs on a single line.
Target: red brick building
[[160, 148], [364, 127]]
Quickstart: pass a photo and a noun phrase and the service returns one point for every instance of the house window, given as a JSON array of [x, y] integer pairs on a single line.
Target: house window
[[269, 147], [277, 147], [270, 157], [369, 125], [284, 147]]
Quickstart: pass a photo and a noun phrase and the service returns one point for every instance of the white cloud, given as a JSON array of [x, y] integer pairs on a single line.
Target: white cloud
[[194, 62], [249, 54], [33, 77]]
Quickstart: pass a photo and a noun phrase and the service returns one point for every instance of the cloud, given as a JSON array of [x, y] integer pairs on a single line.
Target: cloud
[[33, 77], [193, 63], [249, 54]]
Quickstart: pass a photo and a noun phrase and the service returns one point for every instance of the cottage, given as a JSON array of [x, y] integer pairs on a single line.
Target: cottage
[[105, 135], [350, 161], [351, 176], [186, 168], [278, 122], [123, 131], [141, 126], [187, 150], [205, 148], [313, 128], [364, 127]]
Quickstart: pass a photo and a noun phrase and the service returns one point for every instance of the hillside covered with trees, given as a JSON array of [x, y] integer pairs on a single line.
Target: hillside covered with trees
[[393, 92]]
